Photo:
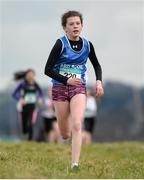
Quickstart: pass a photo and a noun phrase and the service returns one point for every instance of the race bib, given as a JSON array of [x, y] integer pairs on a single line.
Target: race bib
[[30, 98], [70, 72]]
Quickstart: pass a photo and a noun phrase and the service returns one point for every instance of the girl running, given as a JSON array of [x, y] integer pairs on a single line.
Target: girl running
[[66, 66], [90, 118], [50, 121], [28, 94]]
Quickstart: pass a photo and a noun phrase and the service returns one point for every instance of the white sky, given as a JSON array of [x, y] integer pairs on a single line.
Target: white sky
[[29, 29]]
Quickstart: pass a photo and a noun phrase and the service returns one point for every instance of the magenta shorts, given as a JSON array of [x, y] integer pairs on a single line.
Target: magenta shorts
[[66, 92]]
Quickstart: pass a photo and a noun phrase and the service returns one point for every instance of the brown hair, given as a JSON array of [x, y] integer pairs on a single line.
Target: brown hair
[[70, 14], [29, 70]]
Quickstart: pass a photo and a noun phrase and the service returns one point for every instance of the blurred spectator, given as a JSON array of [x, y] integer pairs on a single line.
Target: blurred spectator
[[29, 95], [50, 122], [89, 119]]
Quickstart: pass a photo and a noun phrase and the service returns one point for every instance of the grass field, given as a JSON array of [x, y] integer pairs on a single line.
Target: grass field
[[40, 160]]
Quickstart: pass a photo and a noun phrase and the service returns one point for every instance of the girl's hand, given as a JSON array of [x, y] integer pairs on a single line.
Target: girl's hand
[[40, 102], [99, 88], [74, 81], [22, 101]]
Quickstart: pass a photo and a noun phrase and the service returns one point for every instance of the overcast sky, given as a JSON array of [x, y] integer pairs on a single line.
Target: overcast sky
[[29, 29]]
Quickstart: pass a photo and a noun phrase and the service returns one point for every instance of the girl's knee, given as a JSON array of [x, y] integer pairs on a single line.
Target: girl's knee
[[76, 127]]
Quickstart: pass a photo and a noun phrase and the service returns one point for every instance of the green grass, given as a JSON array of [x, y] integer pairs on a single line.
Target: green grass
[[40, 160]]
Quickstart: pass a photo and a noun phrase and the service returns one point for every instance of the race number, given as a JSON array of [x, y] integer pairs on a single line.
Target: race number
[[30, 98], [70, 73]]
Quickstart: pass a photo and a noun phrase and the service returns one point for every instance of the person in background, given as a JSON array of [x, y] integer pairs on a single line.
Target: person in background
[[50, 122], [28, 94], [89, 118]]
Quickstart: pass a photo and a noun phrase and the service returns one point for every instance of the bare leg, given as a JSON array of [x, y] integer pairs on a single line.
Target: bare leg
[[77, 108], [56, 132], [62, 113], [86, 138], [51, 136]]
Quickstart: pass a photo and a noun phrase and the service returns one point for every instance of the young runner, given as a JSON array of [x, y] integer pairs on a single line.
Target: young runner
[[89, 118], [50, 121], [28, 93], [66, 66]]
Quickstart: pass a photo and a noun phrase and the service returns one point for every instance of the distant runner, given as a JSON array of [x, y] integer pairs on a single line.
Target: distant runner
[[28, 94]]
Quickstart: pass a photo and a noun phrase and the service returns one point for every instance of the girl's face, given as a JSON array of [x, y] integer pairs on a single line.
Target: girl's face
[[30, 76], [73, 27]]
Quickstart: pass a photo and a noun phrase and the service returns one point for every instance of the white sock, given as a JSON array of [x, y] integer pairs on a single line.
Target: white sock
[[65, 140]]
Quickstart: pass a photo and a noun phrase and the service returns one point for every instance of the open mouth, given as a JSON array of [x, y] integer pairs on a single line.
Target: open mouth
[[76, 31]]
